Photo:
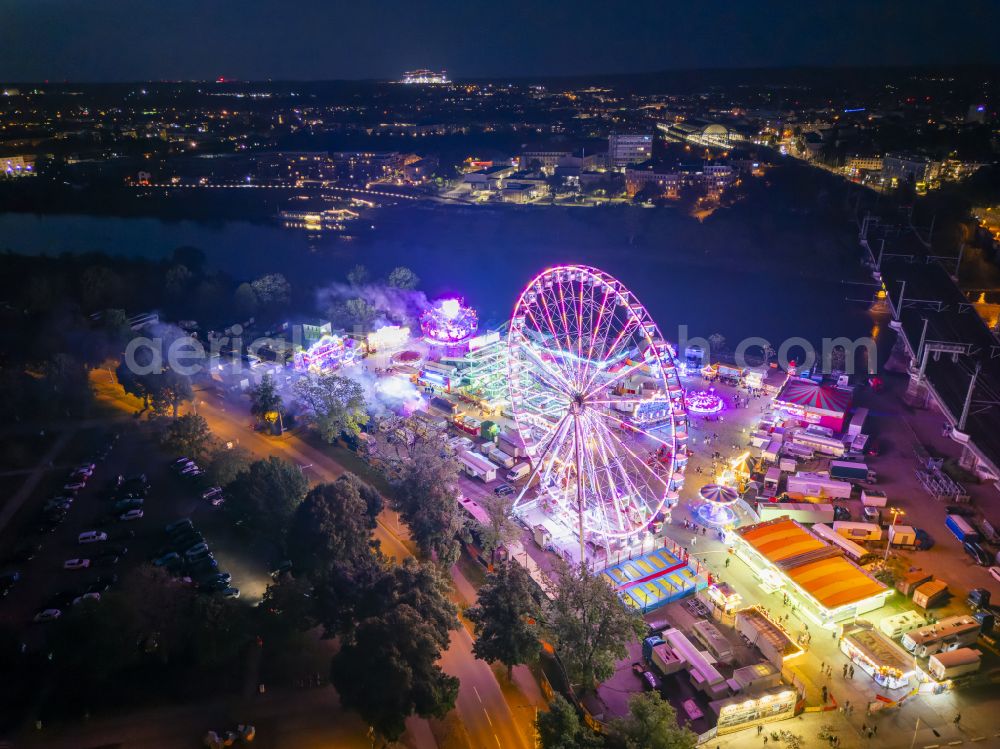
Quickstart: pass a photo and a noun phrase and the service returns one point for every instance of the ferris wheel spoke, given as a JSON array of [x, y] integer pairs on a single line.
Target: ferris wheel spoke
[[618, 377], [599, 367], [540, 459], [615, 439], [599, 490], [590, 364], [574, 364], [564, 355], [609, 462], [634, 428], [529, 348]]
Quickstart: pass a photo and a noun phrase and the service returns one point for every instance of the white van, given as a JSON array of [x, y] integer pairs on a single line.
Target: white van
[[90, 537], [519, 471]]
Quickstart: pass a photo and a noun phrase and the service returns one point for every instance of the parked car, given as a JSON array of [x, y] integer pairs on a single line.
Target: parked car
[[76, 564], [649, 679], [132, 503], [95, 596], [7, 581], [211, 492], [193, 551], [231, 593], [995, 573], [874, 447], [131, 515], [74, 486], [872, 514], [978, 553], [841, 513], [924, 540], [171, 558], [178, 524], [47, 615], [91, 537], [504, 490]]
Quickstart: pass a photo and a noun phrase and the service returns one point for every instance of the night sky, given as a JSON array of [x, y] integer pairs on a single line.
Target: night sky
[[114, 40]]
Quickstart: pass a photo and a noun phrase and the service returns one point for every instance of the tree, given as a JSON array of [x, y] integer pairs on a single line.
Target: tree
[[358, 275], [506, 617], [265, 401], [188, 435], [267, 495], [331, 524], [334, 404], [560, 727], [100, 287], [225, 464], [168, 390], [389, 670], [403, 278], [651, 723], [718, 344], [589, 625], [500, 527], [425, 495], [177, 279], [245, 300], [360, 313], [272, 290], [288, 602]]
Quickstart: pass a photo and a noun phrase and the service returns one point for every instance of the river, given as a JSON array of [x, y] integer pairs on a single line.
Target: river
[[714, 277]]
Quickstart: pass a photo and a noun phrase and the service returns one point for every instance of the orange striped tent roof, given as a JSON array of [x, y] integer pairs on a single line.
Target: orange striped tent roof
[[832, 581]]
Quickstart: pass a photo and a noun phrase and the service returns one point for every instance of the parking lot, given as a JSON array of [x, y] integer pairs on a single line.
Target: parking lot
[[127, 524]]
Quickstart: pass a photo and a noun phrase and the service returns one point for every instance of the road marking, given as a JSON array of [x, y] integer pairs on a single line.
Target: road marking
[[477, 694], [498, 741], [488, 720]]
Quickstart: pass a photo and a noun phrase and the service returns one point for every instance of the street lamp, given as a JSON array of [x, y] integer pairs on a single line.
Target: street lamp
[[896, 512]]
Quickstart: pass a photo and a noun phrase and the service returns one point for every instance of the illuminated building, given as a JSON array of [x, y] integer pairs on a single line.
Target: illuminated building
[[629, 148], [17, 166], [330, 352], [818, 579], [425, 77], [331, 219], [814, 403], [484, 370]]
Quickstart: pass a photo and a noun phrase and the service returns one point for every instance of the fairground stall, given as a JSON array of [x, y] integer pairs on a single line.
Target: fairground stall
[[816, 576], [814, 403], [888, 664]]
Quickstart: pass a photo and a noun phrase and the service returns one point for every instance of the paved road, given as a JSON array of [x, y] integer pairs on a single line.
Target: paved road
[[481, 705]]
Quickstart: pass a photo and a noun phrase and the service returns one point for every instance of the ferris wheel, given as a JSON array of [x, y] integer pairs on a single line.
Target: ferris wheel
[[598, 403]]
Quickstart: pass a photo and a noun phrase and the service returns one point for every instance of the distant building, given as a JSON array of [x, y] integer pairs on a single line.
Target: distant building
[[544, 158], [425, 77], [855, 165], [420, 170], [17, 166], [487, 180], [898, 168], [629, 148], [366, 166], [665, 180]]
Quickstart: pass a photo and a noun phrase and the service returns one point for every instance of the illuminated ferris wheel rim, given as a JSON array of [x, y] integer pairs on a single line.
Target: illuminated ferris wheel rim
[[576, 389]]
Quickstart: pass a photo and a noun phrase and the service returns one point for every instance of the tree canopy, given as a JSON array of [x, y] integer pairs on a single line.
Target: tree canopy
[[188, 435], [560, 727], [334, 404], [589, 625], [506, 617], [266, 496], [651, 723], [424, 494], [403, 278]]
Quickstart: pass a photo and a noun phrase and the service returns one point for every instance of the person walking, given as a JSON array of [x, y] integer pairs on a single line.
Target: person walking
[[844, 671], [958, 718], [760, 729], [851, 672]]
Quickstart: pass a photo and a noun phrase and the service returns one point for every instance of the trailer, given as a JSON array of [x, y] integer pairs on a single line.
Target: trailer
[[858, 554], [948, 665], [801, 512], [900, 624], [912, 580], [874, 499], [930, 594], [770, 453], [857, 425], [477, 466], [950, 633], [903, 536], [806, 484], [501, 458], [771, 480], [858, 531], [819, 443], [961, 528], [851, 470], [512, 444]]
